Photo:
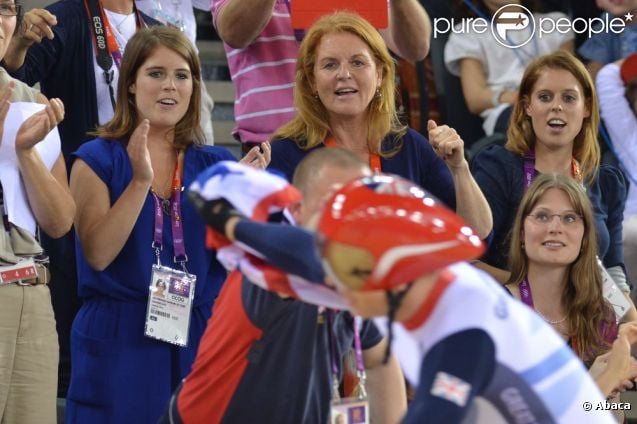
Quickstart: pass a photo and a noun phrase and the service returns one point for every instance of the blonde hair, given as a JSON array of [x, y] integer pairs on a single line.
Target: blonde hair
[[586, 308], [520, 135], [309, 127], [138, 49]]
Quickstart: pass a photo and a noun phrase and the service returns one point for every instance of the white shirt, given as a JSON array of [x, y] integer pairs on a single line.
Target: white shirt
[[178, 13]]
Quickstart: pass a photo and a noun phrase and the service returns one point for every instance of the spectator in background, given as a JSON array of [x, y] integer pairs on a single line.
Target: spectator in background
[[617, 88], [181, 15], [554, 270], [262, 49], [344, 94], [55, 47], [553, 129], [57, 43], [125, 183], [489, 72], [28, 338], [608, 46]]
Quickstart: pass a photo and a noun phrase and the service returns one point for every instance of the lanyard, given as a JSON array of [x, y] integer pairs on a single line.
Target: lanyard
[[374, 158], [175, 219], [525, 293], [106, 48], [529, 169], [360, 365]]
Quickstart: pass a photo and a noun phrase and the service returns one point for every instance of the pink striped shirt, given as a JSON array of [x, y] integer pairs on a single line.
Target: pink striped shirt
[[263, 76]]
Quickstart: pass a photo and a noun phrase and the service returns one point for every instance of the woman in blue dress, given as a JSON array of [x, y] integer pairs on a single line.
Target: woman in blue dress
[[131, 213]]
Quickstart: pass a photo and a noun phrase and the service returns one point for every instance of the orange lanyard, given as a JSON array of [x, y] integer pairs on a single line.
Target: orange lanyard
[[176, 186], [374, 158]]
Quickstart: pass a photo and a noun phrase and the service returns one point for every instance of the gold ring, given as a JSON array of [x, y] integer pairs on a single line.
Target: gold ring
[[30, 26]]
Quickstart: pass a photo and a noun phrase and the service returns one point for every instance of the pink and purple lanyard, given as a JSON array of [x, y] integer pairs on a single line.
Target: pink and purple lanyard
[[529, 169], [175, 220], [360, 365]]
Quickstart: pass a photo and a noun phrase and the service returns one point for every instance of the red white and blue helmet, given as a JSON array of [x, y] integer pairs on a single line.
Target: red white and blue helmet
[[382, 232]]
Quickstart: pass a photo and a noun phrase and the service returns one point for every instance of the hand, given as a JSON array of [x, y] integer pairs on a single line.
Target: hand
[[36, 25], [258, 157], [617, 365], [5, 103], [447, 144], [216, 213], [617, 8], [139, 155], [38, 125]]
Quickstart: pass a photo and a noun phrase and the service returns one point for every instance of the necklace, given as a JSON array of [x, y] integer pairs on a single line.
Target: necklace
[[552, 322]]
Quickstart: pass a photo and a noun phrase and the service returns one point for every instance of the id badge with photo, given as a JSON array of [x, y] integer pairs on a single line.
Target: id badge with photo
[[170, 298], [349, 411]]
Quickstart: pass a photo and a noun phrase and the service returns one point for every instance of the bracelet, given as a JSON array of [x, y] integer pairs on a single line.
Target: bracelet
[[496, 96]]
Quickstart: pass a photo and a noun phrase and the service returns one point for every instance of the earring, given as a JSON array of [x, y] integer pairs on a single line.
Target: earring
[[316, 96], [378, 95]]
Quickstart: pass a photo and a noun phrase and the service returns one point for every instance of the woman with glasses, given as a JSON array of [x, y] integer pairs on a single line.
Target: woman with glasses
[[553, 129], [554, 271], [34, 194]]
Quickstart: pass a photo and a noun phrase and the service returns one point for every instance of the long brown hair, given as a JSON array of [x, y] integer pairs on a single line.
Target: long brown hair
[[521, 137], [587, 310], [310, 126], [138, 49]]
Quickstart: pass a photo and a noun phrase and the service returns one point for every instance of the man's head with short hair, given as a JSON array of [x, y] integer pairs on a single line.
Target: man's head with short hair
[[319, 174]]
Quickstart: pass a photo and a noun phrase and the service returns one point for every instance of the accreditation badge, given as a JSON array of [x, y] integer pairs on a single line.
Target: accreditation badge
[[170, 296], [352, 410]]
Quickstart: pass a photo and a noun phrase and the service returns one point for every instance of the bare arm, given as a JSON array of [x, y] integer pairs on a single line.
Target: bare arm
[[409, 29], [36, 25], [593, 68], [47, 190], [385, 386], [239, 22], [102, 229], [470, 202], [477, 94]]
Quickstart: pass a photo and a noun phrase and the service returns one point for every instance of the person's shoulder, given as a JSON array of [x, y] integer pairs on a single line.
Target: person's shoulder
[[100, 146], [411, 139], [611, 179], [67, 9], [285, 145], [497, 154]]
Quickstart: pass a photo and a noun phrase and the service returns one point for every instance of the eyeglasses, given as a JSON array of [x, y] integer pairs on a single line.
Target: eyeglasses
[[569, 218], [9, 9]]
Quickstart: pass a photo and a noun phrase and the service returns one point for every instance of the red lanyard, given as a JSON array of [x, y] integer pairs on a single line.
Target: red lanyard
[[106, 48], [374, 158]]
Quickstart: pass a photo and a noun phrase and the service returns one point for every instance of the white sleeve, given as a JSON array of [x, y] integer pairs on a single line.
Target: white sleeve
[[462, 46], [618, 116]]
